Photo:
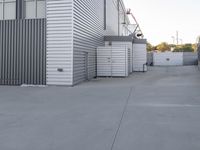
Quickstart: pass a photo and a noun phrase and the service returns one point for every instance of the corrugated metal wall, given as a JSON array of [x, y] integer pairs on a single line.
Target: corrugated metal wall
[[23, 52], [59, 42], [88, 30]]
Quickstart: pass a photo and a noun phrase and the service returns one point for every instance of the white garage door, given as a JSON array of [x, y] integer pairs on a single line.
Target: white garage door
[[168, 59]]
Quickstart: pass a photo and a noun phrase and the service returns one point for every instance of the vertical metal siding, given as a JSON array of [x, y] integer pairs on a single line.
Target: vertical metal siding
[[88, 30], [23, 52], [59, 42]]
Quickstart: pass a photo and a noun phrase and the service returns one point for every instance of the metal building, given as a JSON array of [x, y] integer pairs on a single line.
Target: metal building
[[55, 42]]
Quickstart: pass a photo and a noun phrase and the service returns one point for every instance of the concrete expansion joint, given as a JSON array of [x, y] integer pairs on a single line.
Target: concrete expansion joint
[[198, 68], [122, 117]]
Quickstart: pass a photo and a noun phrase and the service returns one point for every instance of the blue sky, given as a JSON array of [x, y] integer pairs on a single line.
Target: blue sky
[[160, 19]]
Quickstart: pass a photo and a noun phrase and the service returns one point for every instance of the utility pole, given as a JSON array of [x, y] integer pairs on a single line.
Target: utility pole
[[181, 41], [118, 7], [173, 39], [177, 37]]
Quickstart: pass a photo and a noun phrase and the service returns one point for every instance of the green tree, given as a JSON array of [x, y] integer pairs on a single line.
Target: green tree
[[149, 47], [194, 46], [184, 48], [172, 45], [163, 47]]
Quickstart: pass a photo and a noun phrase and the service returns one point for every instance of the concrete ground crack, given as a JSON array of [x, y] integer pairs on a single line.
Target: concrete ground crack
[[122, 117]]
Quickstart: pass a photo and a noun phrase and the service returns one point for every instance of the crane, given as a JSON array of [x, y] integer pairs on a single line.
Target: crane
[[138, 32]]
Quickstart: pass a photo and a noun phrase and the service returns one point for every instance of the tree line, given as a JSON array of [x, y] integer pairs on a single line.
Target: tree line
[[162, 47]]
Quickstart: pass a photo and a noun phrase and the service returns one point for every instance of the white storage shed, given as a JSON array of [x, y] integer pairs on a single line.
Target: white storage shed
[[113, 61], [121, 55], [119, 41]]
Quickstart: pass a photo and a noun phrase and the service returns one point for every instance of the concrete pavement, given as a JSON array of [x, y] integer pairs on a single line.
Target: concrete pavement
[[158, 110]]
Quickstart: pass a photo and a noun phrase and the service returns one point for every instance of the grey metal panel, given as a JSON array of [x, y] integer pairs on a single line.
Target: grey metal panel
[[19, 9], [105, 14], [119, 38], [23, 52], [198, 49], [190, 58], [150, 58], [140, 41], [88, 29]]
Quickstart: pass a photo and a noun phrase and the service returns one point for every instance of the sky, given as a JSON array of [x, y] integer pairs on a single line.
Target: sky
[[160, 19]]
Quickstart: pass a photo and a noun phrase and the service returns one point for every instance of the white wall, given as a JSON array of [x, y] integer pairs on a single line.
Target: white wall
[[168, 59], [112, 23], [59, 42], [139, 57], [111, 17]]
